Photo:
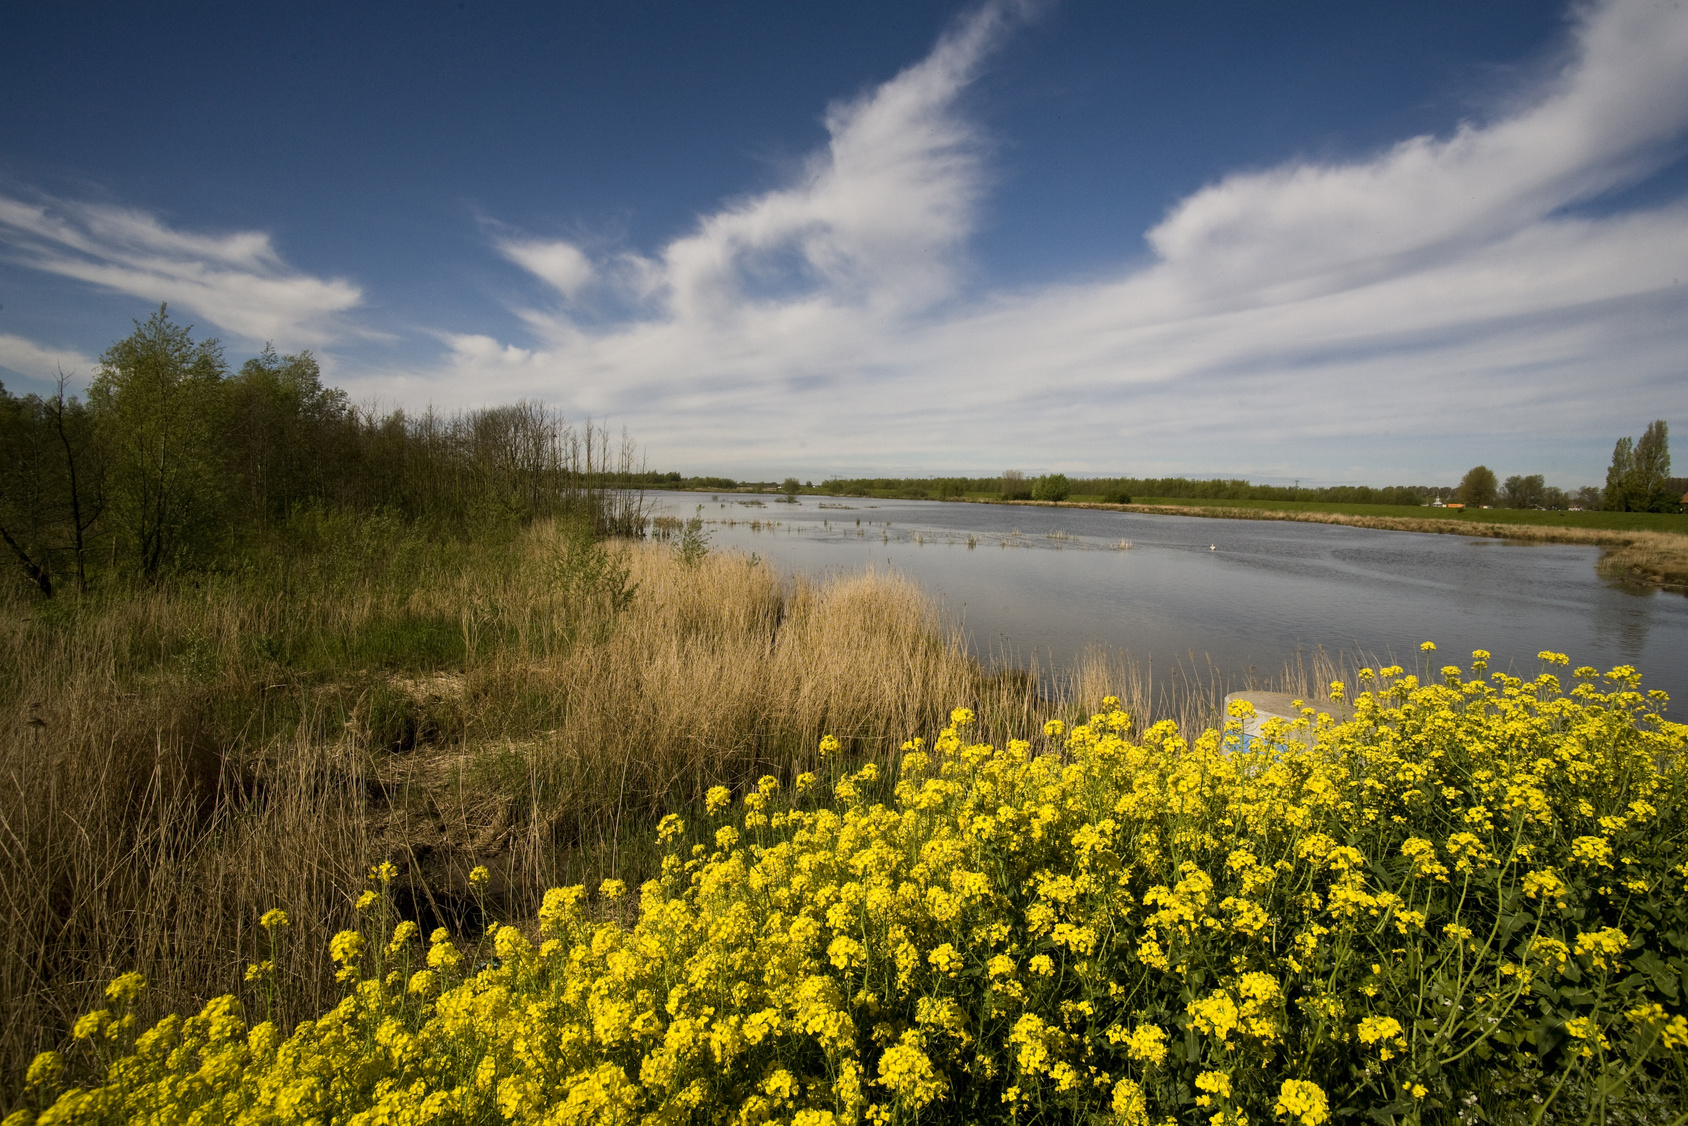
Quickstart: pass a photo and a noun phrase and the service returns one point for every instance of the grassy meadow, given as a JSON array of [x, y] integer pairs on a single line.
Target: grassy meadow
[[1675, 523]]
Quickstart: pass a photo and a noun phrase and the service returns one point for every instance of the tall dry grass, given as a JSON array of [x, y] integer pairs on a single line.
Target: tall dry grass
[[176, 760]]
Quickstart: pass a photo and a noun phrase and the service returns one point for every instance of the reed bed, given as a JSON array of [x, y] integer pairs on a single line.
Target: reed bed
[[178, 759]]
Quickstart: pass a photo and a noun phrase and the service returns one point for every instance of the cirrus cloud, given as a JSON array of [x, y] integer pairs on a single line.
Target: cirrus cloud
[[236, 281], [1389, 314]]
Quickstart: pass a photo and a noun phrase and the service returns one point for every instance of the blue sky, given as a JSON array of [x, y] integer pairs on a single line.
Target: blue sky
[[1333, 242]]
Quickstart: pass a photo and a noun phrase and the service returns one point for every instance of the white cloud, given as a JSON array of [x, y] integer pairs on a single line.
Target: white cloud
[[1407, 308], [560, 264], [236, 281], [33, 361]]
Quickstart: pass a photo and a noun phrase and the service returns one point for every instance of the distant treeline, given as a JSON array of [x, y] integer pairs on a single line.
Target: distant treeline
[[175, 462], [1017, 485], [1515, 492]]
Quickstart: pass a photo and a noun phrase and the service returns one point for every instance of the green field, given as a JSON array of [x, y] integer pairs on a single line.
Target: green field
[[1603, 521]]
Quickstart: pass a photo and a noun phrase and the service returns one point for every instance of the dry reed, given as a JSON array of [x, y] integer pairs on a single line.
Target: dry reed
[[168, 776]]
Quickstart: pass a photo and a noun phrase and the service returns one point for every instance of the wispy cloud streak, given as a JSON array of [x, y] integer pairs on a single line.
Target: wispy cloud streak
[[236, 281], [1445, 287]]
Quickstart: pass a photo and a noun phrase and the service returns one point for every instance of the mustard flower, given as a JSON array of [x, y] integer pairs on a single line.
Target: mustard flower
[[346, 947], [1386, 1032], [1147, 1044], [1601, 947], [45, 1070], [1215, 1084], [126, 989], [1303, 1100]]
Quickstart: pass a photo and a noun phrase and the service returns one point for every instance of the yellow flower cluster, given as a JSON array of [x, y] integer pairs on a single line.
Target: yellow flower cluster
[[1126, 926]]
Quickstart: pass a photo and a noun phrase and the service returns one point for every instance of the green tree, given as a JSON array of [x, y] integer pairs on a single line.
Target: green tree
[[1619, 475], [1052, 486], [26, 487], [791, 488], [1636, 480], [1524, 492], [279, 433], [159, 402], [52, 483], [1478, 488], [1652, 469]]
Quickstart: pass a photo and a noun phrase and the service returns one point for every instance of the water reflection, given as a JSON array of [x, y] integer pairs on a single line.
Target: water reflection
[[1234, 599]]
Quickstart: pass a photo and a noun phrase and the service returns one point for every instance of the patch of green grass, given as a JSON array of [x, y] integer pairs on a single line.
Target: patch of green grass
[[1604, 521]]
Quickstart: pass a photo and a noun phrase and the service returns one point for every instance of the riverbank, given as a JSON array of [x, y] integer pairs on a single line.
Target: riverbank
[[1644, 557]]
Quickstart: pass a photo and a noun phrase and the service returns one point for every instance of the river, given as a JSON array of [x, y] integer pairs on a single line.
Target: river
[[1238, 597]]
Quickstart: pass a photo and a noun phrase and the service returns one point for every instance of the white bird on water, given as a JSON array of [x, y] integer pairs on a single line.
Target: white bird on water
[[1213, 547]]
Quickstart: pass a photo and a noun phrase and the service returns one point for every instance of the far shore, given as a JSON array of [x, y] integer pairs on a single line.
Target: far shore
[[1646, 558], [1643, 556]]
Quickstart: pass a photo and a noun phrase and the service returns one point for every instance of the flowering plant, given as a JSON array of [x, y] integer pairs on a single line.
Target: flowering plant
[[1468, 899]]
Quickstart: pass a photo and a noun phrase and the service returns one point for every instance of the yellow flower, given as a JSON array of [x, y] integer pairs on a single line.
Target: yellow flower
[[1303, 1100], [1216, 1084], [1603, 946], [612, 889], [384, 871], [907, 1071], [1054, 728], [830, 746], [1147, 1044], [1592, 852], [1386, 1032], [90, 1025], [1589, 1032], [961, 717], [1216, 1015], [719, 798], [478, 875], [1546, 884], [46, 1069], [346, 947], [126, 989], [273, 920], [945, 958], [1129, 1105]]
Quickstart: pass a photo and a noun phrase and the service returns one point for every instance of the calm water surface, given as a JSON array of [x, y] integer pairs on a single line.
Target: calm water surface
[[1236, 594]]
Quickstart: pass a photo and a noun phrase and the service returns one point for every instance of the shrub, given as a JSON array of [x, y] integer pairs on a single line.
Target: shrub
[[1053, 486], [1466, 902]]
